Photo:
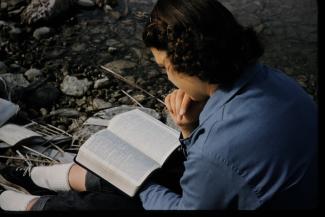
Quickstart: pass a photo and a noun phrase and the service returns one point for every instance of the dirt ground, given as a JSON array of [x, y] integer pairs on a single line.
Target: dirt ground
[[69, 51]]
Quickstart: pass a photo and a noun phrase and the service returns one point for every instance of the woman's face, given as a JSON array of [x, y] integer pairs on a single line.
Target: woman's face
[[193, 86]]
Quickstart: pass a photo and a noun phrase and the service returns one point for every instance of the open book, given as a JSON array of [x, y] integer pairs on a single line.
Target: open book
[[125, 153]]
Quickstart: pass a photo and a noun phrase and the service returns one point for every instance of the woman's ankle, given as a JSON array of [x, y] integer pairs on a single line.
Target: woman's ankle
[[31, 204]]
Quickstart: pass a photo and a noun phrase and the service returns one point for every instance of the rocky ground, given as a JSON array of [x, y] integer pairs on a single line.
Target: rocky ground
[[59, 59]]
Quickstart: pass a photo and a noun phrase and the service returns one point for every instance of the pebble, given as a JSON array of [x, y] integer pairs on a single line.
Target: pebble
[[124, 100], [78, 47], [112, 50], [101, 104], [66, 112], [140, 98], [81, 101], [86, 3], [119, 65], [33, 74], [43, 111], [15, 31], [3, 5], [112, 42], [3, 68], [41, 32], [72, 86], [15, 80], [115, 14], [101, 83]]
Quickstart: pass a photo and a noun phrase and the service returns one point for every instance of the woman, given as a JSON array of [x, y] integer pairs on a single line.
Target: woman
[[249, 132]]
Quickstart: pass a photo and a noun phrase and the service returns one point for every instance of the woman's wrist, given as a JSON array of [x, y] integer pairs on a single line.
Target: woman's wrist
[[185, 134], [186, 131]]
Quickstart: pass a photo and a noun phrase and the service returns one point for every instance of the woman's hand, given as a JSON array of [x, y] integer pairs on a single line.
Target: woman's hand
[[184, 111]]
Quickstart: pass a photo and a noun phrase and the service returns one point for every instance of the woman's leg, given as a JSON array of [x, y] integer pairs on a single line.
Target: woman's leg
[[90, 193], [77, 178], [62, 177], [72, 200]]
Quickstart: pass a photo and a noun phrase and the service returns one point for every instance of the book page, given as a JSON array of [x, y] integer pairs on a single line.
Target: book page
[[145, 133], [118, 160], [12, 134]]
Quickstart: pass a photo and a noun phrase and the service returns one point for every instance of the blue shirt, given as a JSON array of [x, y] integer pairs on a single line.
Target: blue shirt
[[255, 147]]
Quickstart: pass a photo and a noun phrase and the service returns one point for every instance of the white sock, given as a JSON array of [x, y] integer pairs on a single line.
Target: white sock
[[15, 201], [55, 177]]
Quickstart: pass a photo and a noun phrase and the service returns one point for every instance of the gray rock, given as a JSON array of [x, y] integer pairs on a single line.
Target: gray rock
[[15, 31], [45, 10], [78, 47], [43, 111], [99, 104], [16, 12], [112, 50], [72, 86], [112, 42], [116, 94], [101, 83], [259, 28], [114, 14], [42, 32], [153, 73], [13, 4], [107, 8], [55, 53], [69, 113], [140, 98], [130, 78], [137, 52], [81, 101], [89, 108], [15, 68], [119, 65], [15, 80], [3, 68], [3, 6], [77, 123], [125, 100], [3, 23], [86, 3], [33, 74]]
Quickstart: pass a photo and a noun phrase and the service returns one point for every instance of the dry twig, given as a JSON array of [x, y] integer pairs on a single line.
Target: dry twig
[[40, 154], [134, 100], [130, 83]]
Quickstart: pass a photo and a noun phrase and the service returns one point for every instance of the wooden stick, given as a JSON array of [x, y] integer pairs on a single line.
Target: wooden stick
[[134, 100], [19, 158], [131, 83], [40, 154]]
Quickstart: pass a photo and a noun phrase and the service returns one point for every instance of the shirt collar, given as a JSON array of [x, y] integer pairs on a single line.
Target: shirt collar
[[222, 96]]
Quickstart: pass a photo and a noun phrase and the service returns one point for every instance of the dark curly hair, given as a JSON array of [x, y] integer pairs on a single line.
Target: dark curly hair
[[202, 38]]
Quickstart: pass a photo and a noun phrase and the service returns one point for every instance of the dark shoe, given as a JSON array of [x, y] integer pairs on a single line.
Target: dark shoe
[[2, 189], [4, 92], [19, 178]]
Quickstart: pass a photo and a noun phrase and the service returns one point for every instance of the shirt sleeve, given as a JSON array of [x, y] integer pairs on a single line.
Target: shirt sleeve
[[205, 185]]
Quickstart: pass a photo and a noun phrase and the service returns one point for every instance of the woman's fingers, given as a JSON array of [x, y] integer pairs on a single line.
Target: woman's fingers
[[177, 104], [172, 103], [185, 104], [178, 101]]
